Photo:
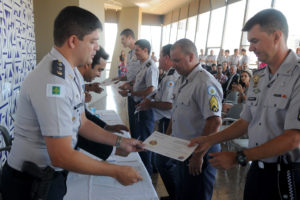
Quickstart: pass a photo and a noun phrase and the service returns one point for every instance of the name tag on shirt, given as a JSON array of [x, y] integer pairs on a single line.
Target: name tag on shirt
[[55, 90]]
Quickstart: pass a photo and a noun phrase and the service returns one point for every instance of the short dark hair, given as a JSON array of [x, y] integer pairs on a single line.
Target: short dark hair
[[227, 50], [73, 20], [101, 53], [144, 44], [166, 50], [243, 49], [187, 46], [128, 32], [269, 20]]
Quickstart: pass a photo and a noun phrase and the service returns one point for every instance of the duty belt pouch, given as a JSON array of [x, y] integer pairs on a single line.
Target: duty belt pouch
[[42, 179], [286, 180]]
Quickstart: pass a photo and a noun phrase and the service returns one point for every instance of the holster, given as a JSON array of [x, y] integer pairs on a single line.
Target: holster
[[42, 179]]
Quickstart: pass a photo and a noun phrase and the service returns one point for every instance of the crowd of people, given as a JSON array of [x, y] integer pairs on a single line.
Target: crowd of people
[[185, 100]]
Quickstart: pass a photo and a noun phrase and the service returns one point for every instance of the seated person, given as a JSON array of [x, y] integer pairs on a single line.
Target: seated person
[[222, 78], [213, 69], [243, 85]]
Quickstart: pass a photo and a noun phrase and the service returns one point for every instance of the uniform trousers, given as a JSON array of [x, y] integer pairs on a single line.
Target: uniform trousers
[[270, 184], [181, 185], [17, 185], [144, 125], [131, 109]]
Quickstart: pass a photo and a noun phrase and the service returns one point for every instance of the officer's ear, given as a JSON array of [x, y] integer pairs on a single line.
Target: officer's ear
[[277, 36], [72, 41], [191, 57]]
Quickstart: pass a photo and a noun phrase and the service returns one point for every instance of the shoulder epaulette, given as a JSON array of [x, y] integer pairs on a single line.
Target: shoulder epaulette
[[58, 68], [171, 72], [148, 64]]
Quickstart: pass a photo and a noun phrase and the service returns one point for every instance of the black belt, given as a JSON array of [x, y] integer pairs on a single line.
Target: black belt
[[23, 175], [276, 166]]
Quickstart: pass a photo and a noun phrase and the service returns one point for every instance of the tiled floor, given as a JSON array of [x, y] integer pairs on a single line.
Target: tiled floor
[[229, 184]]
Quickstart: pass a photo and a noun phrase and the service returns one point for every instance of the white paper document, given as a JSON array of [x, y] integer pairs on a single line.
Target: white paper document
[[107, 82], [169, 146]]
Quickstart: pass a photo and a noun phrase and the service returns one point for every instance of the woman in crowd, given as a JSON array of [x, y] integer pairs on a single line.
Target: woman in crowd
[[243, 85], [122, 66]]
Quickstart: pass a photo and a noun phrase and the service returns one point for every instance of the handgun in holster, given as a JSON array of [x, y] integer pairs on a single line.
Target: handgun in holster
[[42, 179]]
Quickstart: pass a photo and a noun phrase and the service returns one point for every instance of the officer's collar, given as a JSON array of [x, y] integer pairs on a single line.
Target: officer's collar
[[288, 65], [147, 61], [68, 68], [193, 73]]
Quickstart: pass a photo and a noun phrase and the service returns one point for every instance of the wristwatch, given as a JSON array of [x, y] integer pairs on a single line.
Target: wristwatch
[[118, 142], [241, 158]]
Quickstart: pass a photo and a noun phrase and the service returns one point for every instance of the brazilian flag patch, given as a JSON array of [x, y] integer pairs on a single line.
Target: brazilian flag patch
[[213, 104], [55, 90]]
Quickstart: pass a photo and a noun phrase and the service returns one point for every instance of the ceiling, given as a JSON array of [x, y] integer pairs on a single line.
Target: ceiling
[[158, 7]]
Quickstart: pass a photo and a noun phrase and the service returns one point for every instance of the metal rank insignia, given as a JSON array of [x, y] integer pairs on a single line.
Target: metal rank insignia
[[58, 68], [255, 80]]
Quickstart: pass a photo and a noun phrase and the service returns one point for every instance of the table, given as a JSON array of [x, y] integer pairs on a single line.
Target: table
[[86, 187]]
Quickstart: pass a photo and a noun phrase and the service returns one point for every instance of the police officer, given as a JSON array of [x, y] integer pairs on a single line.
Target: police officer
[[50, 115], [133, 67], [271, 115], [161, 106], [145, 83], [196, 111]]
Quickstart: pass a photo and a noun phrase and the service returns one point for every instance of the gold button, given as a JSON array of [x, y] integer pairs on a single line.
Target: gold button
[[73, 118]]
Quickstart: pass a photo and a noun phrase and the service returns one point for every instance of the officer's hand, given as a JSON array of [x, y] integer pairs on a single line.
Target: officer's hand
[[131, 145], [203, 144], [223, 160], [95, 87], [121, 152], [195, 164], [123, 93], [87, 97], [116, 128], [115, 79], [127, 175], [144, 105]]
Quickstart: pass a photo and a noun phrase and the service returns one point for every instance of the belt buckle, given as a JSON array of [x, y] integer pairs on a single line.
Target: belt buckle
[[261, 165]]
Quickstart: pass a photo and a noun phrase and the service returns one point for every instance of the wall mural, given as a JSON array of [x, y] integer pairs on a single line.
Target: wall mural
[[17, 55]]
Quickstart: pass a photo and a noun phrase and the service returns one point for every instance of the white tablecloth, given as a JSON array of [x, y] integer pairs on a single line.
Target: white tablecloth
[[84, 187]]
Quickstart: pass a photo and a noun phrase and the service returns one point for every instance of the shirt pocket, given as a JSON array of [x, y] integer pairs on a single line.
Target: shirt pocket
[[279, 98]]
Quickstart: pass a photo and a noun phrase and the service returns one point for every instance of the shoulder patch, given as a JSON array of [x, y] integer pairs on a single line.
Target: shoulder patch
[[213, 104], [211, 90], [170, 83], [58, 69], [171, 72], [148, 64], [55, 90]]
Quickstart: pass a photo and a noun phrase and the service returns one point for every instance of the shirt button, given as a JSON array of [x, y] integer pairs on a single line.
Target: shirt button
[[73, 118], [259, 123], [275, 105]]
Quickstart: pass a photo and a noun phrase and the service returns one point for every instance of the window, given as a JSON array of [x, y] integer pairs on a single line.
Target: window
[[289, 8], [153, 35], [191, 28], [254, 6], [181, 29], [111, 30], [166, 34], [216, 27], [233, 28], [173, 32], [203, 20]]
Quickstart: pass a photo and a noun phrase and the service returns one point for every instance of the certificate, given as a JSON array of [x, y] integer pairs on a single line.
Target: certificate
[[107, 82], [169, 146]]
